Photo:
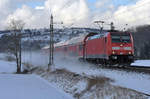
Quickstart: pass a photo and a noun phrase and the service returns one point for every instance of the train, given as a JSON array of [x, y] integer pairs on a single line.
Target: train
[[107, 47]]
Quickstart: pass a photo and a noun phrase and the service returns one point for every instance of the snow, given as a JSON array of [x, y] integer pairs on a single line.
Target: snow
[[139, 82], [28, 87], [145, 63], [37, 58], [81, 86], [25, 86], [2, 55], [77, 39], [132, 80], [7, 67]]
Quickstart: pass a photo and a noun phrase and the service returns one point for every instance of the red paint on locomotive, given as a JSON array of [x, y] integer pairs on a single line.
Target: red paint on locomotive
[[108, 46]]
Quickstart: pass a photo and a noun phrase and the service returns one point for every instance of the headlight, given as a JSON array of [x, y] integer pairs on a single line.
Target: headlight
[[113, 52], [127, 48], [129, 52], [115, 48]]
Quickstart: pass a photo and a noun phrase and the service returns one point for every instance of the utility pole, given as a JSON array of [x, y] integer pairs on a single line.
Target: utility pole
[[51, 43]]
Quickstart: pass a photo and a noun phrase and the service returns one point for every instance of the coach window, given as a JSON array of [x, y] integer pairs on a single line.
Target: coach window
[[80, 47], [65, 48]]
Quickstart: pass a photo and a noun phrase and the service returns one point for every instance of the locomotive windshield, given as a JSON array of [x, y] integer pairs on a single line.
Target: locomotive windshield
[[120, 38]]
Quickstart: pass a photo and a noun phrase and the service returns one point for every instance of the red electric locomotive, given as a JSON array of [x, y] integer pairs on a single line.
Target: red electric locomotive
[[110, 47], [106, 47]]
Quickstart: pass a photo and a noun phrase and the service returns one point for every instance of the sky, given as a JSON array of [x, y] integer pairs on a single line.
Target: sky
[[76, 13]]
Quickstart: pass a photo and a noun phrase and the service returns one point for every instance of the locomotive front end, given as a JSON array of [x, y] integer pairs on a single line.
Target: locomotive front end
[[122, 50]]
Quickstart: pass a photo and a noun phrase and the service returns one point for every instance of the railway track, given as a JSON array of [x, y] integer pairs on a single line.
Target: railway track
[[139, 69]]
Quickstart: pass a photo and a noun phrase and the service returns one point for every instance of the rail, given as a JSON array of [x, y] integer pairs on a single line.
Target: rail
[[139, 69]]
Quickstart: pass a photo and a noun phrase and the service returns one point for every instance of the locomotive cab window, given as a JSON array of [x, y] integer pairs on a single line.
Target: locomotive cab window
[[94, 37], [120, 38]]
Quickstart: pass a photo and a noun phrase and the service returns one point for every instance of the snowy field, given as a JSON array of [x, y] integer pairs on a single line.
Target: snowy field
[[125, 79], [28, 87], [132, 80], [14, 86], [37, 58], [145, 63], [7, 67]]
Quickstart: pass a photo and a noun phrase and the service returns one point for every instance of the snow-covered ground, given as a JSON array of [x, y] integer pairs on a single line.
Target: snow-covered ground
[[136, 81], [132, 80], [14, 86], [28, 87], [7, 67], [37, 58], [145, 63]]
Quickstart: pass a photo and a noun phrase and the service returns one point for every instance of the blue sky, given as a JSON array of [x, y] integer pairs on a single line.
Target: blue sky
[[91, 3], [123, 2], [115, 3], [34, 4]]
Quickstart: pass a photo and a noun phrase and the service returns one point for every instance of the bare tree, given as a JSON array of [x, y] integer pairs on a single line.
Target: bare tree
[[16, 27]]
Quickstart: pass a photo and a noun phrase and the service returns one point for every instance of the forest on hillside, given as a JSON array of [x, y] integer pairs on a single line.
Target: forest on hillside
[[141, 37]]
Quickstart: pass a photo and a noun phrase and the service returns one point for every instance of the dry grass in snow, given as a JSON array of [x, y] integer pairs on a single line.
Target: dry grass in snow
[[85, 87]]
